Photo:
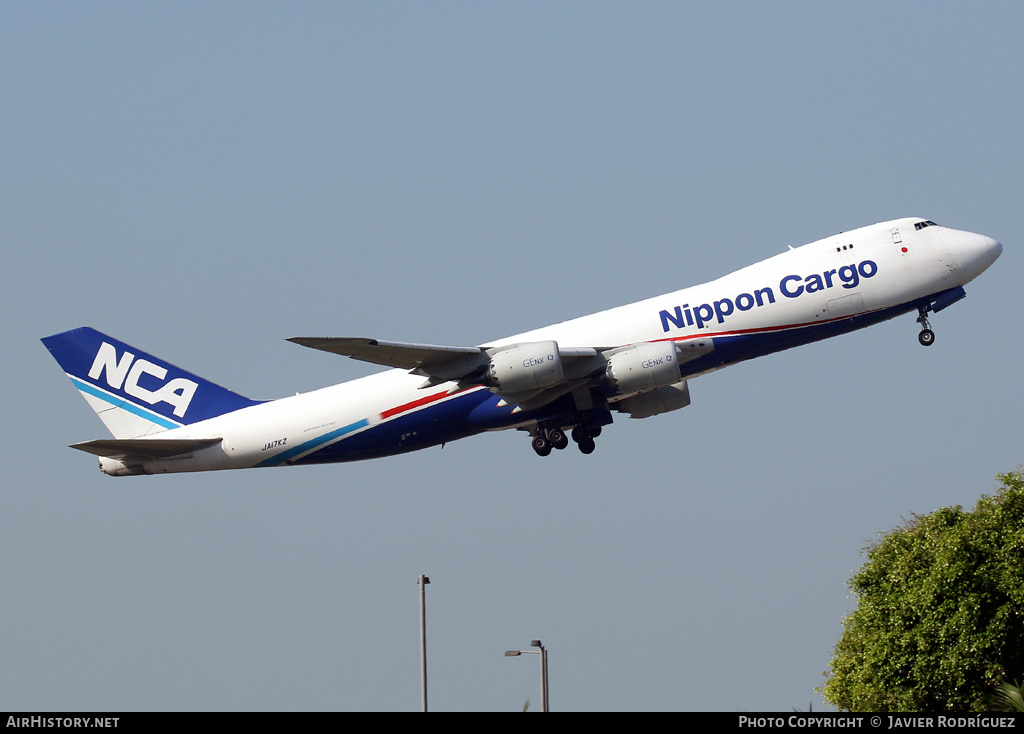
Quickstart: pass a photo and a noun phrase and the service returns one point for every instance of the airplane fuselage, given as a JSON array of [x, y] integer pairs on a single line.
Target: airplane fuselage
[[805, 294]]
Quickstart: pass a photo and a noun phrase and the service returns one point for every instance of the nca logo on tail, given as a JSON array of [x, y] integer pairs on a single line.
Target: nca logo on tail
[[128, 371]]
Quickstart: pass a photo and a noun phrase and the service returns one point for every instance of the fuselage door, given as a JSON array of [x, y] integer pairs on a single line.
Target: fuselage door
[[903, 248], [848, 305]]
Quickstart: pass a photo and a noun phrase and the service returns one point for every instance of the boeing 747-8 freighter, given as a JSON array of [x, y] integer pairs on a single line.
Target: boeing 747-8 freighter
[[561, 381]]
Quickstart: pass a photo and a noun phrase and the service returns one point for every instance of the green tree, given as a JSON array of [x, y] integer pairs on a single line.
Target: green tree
[[939, 622], [1009, 697]]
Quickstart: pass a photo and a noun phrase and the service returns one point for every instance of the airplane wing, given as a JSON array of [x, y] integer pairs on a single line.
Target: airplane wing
[[150, 448], [528, 375], [439, 363], [389, 354], [429, 360]]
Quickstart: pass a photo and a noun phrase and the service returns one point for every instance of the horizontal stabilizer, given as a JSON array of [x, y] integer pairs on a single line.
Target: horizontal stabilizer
[[149, 448]]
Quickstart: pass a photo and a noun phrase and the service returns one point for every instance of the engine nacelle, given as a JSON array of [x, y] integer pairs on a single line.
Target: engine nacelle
[[525, 367], [656, 402], [643, 368]]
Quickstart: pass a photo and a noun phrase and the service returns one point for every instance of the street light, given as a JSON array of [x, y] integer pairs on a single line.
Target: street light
[[423, 581], [543, 669]]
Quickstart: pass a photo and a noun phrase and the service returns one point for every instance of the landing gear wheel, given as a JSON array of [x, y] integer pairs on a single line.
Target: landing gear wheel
[[557, 438], [587, 445], [926, 335], [541, 445], [582, 433]]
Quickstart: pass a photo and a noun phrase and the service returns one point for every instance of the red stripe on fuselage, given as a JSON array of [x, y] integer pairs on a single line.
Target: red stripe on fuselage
[[763, 329], [391, 413], [414, 404]]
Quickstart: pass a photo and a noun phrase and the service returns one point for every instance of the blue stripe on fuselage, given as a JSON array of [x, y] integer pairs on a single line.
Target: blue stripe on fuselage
[[457, 417], [285, 456], [734, 348]]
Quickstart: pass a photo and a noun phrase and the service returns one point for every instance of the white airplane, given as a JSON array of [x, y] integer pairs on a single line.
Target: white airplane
[[635, 359]]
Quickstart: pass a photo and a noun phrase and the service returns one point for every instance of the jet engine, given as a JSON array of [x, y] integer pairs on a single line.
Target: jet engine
[[524, 367], [642, 368]]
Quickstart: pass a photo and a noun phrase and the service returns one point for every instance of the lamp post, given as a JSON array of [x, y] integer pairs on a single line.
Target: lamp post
[[543, 652], [423, 581]]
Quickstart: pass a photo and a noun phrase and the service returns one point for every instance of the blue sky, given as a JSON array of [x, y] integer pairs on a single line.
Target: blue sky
[[204, 180]]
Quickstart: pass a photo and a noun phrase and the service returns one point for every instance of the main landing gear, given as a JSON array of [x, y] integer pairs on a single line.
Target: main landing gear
[[548, 436], [584, 438]]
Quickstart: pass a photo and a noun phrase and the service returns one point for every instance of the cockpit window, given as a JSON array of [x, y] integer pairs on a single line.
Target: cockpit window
[[925, 223]]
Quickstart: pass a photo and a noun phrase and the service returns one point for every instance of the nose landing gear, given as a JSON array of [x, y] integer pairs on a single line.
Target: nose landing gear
[[936, 303], [926, 335]]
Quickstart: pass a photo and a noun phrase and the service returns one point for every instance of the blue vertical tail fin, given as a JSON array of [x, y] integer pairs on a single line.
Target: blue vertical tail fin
[[134, 393]]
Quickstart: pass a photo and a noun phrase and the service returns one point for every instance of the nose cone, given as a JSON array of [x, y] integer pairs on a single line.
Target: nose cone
[[973, 253], [995, 249]]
